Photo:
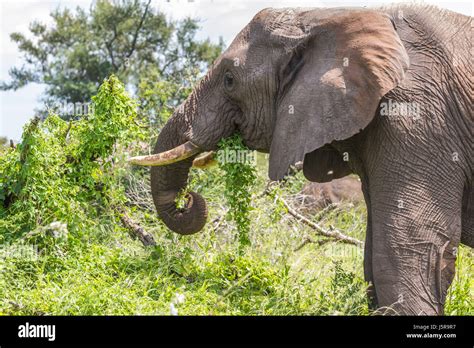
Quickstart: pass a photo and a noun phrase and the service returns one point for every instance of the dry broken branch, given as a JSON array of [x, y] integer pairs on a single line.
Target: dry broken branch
[[331, 233], [309, 240], [135, 230]]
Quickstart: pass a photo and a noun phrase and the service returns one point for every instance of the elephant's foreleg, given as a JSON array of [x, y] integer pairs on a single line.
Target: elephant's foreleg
[[416, 229]]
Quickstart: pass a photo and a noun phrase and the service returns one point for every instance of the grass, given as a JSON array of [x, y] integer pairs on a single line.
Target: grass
[[105, 272]]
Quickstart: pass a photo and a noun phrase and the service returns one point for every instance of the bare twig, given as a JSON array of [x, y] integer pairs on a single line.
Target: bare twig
[[309, 240], [108, 45], [135, 230], [217, 222], [326, 210], [137, 31], [331, 233]]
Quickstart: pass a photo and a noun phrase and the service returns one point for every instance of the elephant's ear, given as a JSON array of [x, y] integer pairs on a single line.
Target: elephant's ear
[[332, 81]]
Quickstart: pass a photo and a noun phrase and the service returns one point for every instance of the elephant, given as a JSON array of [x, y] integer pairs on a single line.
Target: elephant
[[384, 93]]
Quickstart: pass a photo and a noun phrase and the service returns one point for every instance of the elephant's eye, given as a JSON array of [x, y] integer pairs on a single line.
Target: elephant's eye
[[229, 81]]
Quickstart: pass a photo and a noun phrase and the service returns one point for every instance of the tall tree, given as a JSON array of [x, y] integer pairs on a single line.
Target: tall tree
[[127, 38]]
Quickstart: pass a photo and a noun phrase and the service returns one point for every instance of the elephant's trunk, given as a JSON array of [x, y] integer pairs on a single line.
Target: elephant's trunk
[[195, 127], [169, 180], [187, 220]]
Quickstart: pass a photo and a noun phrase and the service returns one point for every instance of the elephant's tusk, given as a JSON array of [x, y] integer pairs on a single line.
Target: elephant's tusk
[[174, 155], [205, 160]]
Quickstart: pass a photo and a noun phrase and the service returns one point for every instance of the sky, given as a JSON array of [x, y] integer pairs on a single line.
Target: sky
[[218, 18]]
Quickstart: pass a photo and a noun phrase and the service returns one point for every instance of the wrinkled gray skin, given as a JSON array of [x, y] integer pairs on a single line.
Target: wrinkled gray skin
[[335, 68]]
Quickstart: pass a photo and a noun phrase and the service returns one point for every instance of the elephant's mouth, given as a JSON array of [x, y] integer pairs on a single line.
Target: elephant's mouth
[[169, 174]]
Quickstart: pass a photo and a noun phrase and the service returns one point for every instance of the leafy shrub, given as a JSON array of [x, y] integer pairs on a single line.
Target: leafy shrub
[[63, 171], [346, 293]]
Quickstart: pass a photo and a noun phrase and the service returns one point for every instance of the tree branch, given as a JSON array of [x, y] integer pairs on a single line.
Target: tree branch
[[136, 231], [332, 233], [309, 240], [135, 36], [110, 50], [168, 63]]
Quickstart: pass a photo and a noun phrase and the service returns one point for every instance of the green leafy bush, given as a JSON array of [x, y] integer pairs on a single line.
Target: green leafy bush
[[63, 171]]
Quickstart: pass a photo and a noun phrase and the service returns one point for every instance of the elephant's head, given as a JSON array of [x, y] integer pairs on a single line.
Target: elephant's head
[[290, 82]]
